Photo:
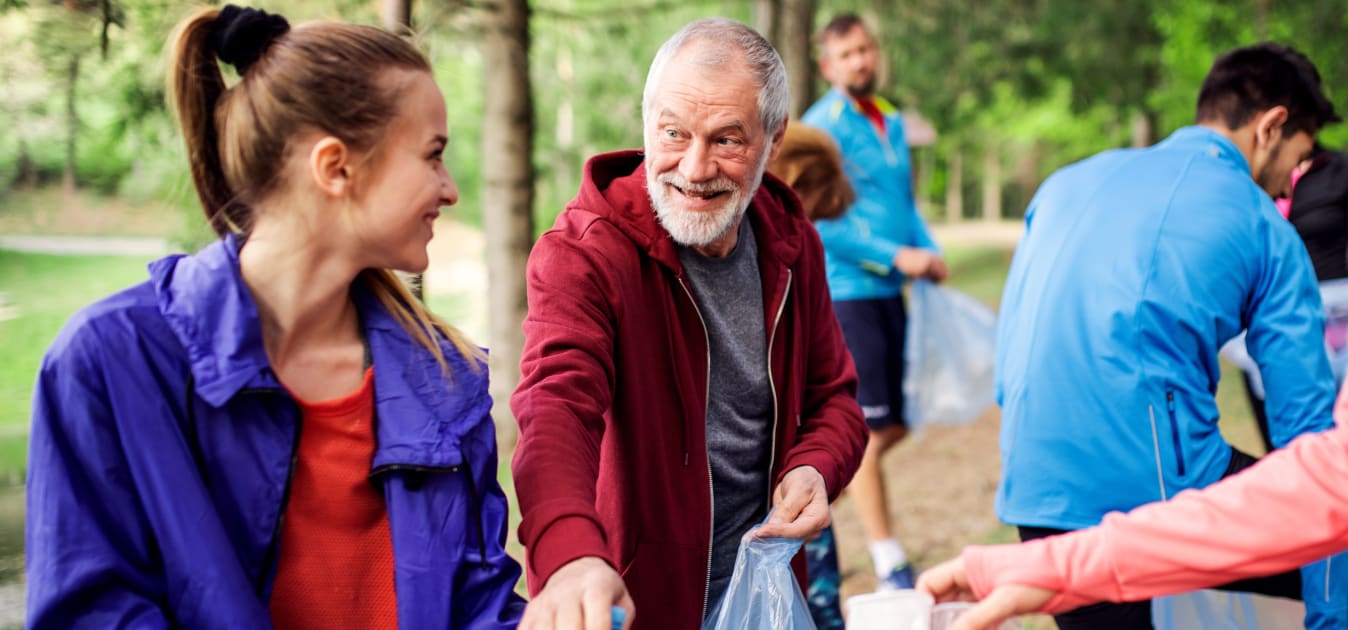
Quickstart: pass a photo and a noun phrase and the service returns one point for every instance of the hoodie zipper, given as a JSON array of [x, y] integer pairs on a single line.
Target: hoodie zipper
[[772, 446], [711, 488], [1174, 430]]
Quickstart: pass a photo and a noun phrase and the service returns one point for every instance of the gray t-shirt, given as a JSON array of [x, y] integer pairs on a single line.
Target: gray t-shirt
[[729, 294]]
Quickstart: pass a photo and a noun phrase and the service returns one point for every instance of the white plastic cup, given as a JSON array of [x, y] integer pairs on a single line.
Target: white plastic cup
[[943, 616], [890, 610]]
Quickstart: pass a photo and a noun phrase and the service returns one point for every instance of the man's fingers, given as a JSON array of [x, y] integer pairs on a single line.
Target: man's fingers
[[631, 608], [569, 616], [597, 609]]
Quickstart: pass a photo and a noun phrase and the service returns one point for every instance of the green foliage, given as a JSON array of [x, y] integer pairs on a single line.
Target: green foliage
[[1039, 83], [45, 291]]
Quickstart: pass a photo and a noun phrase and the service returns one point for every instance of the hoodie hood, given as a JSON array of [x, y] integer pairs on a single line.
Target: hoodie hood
[[613, 188]]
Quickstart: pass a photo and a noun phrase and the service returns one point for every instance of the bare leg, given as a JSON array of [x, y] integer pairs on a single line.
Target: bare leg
[[868, 485]]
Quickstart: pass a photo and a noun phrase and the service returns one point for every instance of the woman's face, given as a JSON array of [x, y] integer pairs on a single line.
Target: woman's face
[[397, 207]]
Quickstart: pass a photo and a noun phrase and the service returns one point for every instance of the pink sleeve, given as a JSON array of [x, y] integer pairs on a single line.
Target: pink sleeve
[[1289, 509]]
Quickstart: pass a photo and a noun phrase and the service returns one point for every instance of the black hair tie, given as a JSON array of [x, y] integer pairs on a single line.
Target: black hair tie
[[240, 35]]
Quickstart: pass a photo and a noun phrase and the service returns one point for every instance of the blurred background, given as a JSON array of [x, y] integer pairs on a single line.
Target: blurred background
[[999, 93]]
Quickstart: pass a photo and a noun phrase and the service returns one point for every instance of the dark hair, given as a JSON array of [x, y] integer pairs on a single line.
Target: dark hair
[[840, 25], [325, 75], [1252, 79]]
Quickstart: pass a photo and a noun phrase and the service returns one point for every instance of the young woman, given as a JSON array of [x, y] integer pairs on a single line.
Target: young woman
[[273, 431]]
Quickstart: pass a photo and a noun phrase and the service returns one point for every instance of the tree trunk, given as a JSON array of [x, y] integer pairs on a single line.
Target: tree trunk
[[795, 28], [992, 183], [396, 15], [766, 18], [507, 195], [72, 125], [1142, 129], [954, 188]]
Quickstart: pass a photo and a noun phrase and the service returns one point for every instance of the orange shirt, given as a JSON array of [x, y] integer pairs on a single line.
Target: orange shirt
[[335, 568]]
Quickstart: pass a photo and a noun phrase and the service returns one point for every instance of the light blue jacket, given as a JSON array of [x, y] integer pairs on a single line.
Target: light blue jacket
[[860, 245], [1135, 267]]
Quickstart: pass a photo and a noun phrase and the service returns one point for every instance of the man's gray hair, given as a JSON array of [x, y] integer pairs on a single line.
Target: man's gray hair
[[728, 41]]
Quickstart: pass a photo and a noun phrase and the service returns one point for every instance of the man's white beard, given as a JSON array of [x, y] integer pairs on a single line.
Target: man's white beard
[[700, 228]]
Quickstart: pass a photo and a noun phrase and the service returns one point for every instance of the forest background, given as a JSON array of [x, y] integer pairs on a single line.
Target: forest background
[[1009, 89]]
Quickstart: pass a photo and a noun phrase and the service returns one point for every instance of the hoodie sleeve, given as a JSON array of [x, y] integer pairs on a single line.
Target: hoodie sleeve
[[566, 384], [1161, 548], [90, 556], [832, 433]]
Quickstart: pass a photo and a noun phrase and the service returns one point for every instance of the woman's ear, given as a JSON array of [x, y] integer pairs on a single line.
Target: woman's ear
[[330, 166]]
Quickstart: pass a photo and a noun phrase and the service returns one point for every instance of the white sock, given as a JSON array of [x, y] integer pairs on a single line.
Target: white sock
[[886, 555]]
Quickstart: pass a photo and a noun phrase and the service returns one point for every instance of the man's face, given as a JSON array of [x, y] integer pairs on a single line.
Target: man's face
[[848, 61], [705, 149], [1271, 165]]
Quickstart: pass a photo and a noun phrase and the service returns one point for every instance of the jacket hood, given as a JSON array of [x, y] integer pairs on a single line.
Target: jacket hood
[[212, 313], [614, 187]]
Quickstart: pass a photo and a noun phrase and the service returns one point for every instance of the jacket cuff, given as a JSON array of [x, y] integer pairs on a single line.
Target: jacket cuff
[[820, 461], [564, 540]]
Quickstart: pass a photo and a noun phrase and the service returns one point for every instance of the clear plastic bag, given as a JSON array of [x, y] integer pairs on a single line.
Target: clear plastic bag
[[1226, 610], [763, 593], [950, 352]]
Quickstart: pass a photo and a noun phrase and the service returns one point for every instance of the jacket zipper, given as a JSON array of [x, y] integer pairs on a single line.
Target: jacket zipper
[[474, 507], [711, 488], [1156, 448], [1174, 430], [772, 447], [274, 550]]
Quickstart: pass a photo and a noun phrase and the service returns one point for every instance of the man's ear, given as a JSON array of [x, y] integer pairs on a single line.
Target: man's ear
[[330, 166], [1268, 126], [777, 139]]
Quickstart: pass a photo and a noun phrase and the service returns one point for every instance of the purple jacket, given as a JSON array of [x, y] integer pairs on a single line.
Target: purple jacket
[[162, 448]]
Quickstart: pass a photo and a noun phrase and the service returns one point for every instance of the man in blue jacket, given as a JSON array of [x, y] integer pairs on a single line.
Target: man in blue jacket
[[869, 251], [1135, 267]]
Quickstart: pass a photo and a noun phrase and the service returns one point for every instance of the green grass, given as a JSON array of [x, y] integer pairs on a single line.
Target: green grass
[[979, 271], [44, 290]]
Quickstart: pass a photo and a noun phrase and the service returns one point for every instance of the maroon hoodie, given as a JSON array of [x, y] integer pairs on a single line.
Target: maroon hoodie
[[612, 458]]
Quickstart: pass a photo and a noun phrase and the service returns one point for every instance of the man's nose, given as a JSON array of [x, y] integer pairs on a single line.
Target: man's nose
[[698, 164]]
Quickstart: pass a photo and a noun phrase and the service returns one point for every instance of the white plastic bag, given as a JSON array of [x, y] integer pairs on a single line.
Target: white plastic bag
[[950, 351], [763, 593], [1334, 296]]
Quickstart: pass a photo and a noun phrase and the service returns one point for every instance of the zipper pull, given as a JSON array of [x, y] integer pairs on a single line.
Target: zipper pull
[[1170, 401]]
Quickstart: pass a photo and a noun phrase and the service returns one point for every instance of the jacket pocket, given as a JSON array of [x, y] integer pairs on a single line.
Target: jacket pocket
[[1174, 431]]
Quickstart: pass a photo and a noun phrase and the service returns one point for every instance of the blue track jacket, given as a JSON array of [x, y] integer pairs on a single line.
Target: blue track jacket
[[860, 245], [161, 451], [1135, 267]]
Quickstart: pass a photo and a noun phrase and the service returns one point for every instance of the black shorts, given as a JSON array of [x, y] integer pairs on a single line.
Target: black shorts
[[874, 330]]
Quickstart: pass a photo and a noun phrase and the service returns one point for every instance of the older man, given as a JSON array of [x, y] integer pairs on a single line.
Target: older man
[[683, 371]]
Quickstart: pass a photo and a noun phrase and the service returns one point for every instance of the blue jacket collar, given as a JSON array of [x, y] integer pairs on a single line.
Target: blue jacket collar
[[1209, 141], [209, 308]]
